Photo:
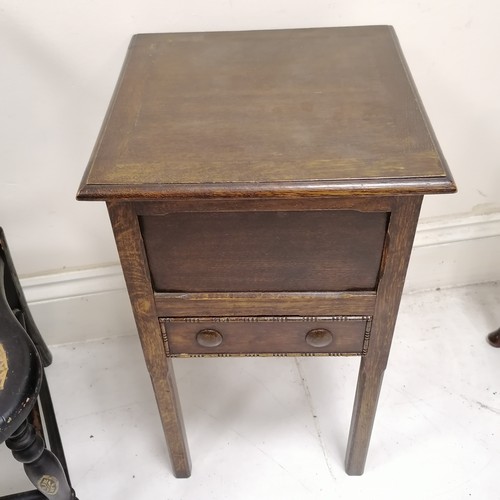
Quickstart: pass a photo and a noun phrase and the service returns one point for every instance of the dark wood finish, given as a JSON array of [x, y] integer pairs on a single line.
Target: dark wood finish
[[258, 183], [132, 256], [400, 232], [494, 338], [264, 335], [249, 304], [275, 204], [265, 113], [264, 251]]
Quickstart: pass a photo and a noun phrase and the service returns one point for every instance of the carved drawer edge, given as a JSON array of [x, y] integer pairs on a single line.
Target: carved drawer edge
[[270, 319]]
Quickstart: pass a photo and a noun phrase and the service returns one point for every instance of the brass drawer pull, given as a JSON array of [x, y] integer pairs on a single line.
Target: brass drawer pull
[[319, 337], [209, 338]]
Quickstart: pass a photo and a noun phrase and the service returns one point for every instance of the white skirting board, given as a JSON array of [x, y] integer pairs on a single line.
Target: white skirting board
[[90, 304]]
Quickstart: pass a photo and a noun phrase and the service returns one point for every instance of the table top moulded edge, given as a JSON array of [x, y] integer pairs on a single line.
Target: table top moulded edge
[[337, 187]]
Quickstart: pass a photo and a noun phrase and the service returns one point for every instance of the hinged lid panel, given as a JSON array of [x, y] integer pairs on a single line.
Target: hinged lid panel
[[314, 111]]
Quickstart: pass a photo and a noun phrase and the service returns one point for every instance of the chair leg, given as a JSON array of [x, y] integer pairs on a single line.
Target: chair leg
[[494, 338], [53, 437], [41, 466]]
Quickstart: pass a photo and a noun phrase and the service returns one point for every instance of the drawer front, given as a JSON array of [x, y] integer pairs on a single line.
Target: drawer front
[[266, 335], [272, 251]]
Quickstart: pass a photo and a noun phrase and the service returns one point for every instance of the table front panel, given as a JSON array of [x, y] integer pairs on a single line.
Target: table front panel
[[282, 251]]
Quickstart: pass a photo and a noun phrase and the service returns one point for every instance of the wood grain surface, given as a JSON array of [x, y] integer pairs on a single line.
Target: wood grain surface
[[261, 335], [264, 251], [322, 110]]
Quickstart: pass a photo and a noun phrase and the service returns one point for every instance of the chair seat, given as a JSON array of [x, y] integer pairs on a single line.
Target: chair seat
[[20, 369]]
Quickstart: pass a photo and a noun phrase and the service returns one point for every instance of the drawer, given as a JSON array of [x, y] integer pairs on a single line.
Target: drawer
[[267, 251], [266, 335]]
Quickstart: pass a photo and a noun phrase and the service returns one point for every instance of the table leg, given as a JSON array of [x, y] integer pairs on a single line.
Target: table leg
[[400, 234], [365, 407], [133, 259], [167, 399]]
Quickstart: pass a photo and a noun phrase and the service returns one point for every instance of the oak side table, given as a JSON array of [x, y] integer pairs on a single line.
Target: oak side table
[[264, 189]]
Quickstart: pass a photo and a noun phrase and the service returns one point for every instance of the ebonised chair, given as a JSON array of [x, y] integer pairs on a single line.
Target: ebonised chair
[[23, 390]]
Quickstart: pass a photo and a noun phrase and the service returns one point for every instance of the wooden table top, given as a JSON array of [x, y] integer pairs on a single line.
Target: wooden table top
[[307, 112]]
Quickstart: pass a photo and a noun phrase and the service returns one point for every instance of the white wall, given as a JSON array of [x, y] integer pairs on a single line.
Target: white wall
[[59, 61]]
